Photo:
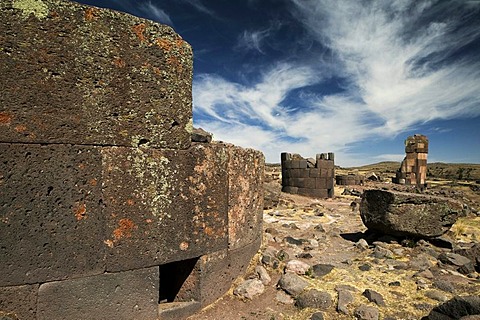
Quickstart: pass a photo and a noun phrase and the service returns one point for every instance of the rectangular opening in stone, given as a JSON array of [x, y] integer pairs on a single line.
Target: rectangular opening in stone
[[178, 281]]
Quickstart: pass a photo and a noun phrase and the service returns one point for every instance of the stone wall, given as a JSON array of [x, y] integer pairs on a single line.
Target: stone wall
[[308, 177], [349, 179], [107, 210], [413, 170]]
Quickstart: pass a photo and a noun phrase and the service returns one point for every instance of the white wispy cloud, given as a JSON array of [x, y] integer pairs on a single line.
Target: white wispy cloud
[[255, 39], [395, 70], [403, 70], [198, 4], [155, 13]]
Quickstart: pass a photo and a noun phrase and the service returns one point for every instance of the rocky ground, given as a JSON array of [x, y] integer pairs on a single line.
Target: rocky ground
[[318, 261]]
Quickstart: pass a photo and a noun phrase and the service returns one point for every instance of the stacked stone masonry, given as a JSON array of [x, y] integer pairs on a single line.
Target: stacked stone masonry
[[107, 210], [308, 177], [349, 179], [413, 170]]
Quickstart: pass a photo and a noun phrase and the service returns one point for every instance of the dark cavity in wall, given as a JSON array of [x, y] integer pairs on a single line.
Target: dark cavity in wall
[[174, 284]]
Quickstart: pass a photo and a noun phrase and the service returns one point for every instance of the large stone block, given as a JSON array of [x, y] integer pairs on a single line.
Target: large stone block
[[51, 213], [220, 269], [19, 301], [245, 196], [124, 295], [408, 214], [77, 74], [163, 206]]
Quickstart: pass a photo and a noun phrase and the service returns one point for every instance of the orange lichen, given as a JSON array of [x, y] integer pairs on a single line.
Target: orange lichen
[[183, 246], [124, 230], [54, 15], [173, 61], [179, 43], [91, 13], [157, 70], [164, 44], [119, 63], [209, 231], [109, 243], [93, 182], [20, 128], [130, 202], [139, 29], [5, 118], [81, 211]]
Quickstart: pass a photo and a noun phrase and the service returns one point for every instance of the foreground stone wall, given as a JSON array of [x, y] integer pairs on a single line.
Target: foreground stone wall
[[413, 170], [308, 177], [107, 210]]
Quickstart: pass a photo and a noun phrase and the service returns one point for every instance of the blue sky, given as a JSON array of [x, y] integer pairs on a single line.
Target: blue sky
[[352, 77]]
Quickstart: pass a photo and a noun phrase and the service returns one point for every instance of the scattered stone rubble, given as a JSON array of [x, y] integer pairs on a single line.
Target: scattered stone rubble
[[357, 273]]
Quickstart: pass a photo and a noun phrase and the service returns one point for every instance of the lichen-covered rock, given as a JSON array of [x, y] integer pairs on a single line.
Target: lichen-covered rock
[[77, 74], [407, 214]]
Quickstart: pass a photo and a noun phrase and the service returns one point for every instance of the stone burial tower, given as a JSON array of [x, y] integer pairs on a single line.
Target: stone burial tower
[[413, 170], [108, 210], [308, 177]]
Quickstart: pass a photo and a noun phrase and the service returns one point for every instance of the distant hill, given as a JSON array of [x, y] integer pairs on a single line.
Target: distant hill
[[381, 167], [450, 171]]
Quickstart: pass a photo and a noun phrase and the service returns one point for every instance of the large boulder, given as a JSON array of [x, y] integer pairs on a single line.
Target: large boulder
[[408, 214], [455, 308]]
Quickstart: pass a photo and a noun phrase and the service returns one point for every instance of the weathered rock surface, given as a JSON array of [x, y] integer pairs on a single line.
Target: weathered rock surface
[[455, 308], [200, 135], [263, 275], [82, 75], [365, 312], [320, 270], [407, 214], [297, 266], [345, 297], [292, 283], [317, 316], [374, 297], [249, 289], [314, 299]]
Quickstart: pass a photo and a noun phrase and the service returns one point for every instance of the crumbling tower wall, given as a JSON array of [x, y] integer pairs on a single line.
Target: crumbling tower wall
[[413, 170], [107, 210], [308, 177]]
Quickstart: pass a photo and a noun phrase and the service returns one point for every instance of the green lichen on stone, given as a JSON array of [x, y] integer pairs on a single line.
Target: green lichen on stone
[[189, 126], [154, 180], [37, 7]]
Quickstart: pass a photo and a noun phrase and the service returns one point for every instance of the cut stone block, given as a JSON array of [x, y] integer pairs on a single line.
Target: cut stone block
[[124, 295], [220, 269], [164, 206], [20, 301], [51, 208], [245, 196], [76, 74]]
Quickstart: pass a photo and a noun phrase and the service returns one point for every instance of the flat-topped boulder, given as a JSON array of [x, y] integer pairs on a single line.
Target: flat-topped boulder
[[408, 214]]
